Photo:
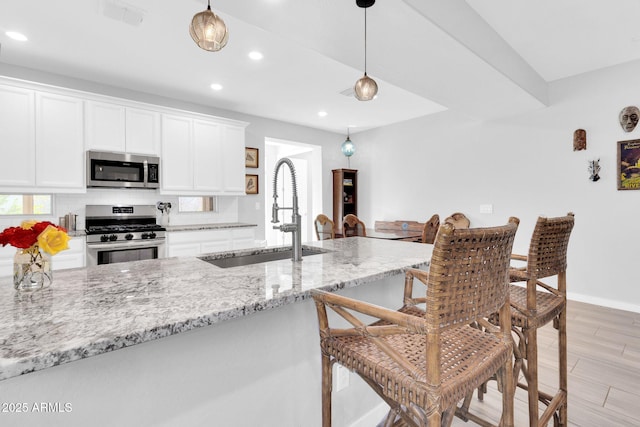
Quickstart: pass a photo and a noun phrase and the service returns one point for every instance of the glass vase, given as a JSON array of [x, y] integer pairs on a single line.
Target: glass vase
[[31, 269]]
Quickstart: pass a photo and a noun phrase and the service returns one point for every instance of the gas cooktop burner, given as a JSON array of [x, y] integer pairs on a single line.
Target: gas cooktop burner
[[124, 228], [122, 224]]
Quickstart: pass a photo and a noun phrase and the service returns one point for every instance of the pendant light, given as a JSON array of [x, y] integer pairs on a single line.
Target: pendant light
[[348, 149], [366, 88], [208, 30]]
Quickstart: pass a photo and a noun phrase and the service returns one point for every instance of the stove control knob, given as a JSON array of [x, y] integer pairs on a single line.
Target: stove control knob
[[152, 235], [113, 238], [129, 236], [104, 238], [144, 235]]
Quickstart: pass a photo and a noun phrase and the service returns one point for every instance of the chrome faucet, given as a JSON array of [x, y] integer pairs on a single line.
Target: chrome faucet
[[294, 227]]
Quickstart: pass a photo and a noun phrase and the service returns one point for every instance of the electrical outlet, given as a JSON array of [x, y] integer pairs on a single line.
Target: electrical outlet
[[486, 209], [257, 206], [342, 377]]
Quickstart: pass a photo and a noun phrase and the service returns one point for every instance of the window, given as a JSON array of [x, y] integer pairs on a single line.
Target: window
[[197, 204], [26, 204]]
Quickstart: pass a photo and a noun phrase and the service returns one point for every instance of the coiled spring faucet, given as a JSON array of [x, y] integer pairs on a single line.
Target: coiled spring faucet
[[294, 227]]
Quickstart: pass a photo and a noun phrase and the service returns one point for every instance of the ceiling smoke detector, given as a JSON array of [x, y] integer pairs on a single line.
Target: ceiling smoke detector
[[121, 11]]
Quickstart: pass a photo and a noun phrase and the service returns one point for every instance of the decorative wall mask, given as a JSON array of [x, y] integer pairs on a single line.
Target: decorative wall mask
[[579, 140], [594, 169], [629, 118]]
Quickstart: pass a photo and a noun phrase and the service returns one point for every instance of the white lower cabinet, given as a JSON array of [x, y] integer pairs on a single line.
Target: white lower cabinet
[[74, 257], [195, 243]]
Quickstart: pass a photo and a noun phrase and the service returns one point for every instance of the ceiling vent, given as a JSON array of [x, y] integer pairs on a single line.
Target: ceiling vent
[[121, 11]]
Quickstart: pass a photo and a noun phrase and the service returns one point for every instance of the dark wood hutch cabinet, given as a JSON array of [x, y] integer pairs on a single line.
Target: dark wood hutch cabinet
[[345, 195]]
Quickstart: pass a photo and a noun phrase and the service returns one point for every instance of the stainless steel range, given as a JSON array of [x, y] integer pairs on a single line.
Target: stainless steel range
[[123, 233]]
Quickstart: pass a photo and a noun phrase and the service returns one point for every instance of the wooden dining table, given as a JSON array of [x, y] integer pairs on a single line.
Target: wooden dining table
[[394, 234]]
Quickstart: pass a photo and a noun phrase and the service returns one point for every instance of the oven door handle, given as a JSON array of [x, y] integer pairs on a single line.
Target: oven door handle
[[126, 244]]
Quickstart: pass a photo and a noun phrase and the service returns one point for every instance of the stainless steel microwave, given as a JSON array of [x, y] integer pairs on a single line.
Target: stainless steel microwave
[[122, 170]]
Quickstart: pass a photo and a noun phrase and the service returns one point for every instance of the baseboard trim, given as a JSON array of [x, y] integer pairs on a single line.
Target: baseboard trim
[[373, 417], [605, 302]]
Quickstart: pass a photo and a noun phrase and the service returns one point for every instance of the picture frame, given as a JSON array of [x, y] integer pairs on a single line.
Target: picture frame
[[251, 157], [251, 185], [629, 165]]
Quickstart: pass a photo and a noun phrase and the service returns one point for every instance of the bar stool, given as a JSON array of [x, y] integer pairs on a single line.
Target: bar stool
[[423, 366], [536, 305], [532, 307]]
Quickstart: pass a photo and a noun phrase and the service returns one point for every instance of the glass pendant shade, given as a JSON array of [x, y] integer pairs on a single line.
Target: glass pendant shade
[[348, 148], [366, 88], [209, 31]]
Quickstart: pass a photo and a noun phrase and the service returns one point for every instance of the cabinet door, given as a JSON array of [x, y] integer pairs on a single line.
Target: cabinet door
[[17, 137], [207, 174], [72, 257], [142, 131], [177, 164], [104, 125], [183, 249], [216, 246], [232, 151], [59, 142]]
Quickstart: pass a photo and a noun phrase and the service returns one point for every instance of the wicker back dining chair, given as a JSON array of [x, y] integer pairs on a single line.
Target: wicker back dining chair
[[458, 219], [536, 305], [422, 366], [324, 227], [352, 226], [430, 229]]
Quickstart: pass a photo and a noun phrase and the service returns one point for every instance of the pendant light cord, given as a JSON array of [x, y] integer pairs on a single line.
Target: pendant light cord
[[365, 41]]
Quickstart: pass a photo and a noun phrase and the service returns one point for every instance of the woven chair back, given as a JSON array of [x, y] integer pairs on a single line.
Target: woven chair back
[[352, 226], [324, 227], [548, 248], [468, 274], [458, 220]]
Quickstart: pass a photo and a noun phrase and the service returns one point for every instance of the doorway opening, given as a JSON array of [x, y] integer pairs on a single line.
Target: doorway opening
[[307, 161]]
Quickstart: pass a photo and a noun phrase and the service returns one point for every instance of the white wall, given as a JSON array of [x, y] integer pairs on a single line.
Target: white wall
[[525, 166]]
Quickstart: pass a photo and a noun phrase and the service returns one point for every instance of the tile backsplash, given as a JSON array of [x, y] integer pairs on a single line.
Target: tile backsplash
[[75, 204]]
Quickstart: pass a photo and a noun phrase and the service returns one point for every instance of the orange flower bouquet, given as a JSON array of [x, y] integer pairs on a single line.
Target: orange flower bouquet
[[32, 268]]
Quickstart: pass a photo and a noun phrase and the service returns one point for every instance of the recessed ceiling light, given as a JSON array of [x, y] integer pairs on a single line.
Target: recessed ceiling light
[[255, 55], [17, 36], [216, 86], [322, 113]]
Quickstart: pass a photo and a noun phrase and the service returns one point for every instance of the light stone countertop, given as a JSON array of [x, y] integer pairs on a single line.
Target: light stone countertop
[[211, 226], [90, 311]]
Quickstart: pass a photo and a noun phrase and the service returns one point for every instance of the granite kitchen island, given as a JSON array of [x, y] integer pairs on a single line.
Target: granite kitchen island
[[196, 344]]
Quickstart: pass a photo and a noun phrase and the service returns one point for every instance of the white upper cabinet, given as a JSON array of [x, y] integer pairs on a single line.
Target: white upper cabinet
[[114, 127], [142, 131], [207, 157], [201, 156], [17, 136], [105, 126], [177, 163], [59, 142], [42, 141], [232, 151]]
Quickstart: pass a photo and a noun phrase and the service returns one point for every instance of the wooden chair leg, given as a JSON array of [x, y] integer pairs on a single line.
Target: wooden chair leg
[[508, 394], [327, 385], [562, 344], [531, 337]]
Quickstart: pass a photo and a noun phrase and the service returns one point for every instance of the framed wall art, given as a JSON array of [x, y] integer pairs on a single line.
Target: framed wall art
[[251, 157], [251, 184], [629, 165]]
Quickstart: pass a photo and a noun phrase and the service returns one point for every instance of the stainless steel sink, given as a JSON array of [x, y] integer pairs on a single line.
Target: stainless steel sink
[[237, 260]]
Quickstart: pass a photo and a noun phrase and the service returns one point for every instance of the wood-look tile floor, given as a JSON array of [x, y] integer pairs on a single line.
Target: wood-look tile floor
[[603, 364]]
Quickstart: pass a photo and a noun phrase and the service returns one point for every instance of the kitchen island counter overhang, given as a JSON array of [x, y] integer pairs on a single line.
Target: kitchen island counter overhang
[[87, 312]]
